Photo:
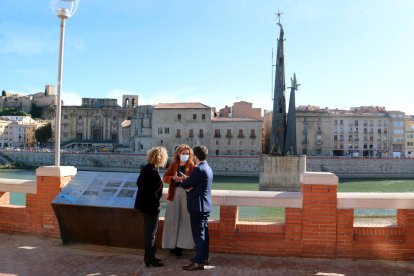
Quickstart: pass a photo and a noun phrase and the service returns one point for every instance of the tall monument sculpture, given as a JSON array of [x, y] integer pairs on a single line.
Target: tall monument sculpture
[[277, 134], [290, 142], [283, 134], [280, 170]]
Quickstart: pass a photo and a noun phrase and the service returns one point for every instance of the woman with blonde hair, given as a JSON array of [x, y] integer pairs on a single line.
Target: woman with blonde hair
[[177, 228], [148, 200]]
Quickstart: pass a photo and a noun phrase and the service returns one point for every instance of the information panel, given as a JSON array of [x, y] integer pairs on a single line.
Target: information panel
[[107, 189]]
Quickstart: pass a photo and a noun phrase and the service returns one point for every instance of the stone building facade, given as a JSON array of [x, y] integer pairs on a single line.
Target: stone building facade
[[178, 123], [236, 136], [314, 131], [141, 128], [96, 120], [25, 102], [365, 131]]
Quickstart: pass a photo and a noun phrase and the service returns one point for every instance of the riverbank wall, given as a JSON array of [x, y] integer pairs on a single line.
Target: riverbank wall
[[224, 165]]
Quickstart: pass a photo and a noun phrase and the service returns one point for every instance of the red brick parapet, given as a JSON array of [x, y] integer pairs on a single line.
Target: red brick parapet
[[319, 222], [37, 217]]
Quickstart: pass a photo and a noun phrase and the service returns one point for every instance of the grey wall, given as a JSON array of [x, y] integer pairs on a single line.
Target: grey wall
[[227, 165]]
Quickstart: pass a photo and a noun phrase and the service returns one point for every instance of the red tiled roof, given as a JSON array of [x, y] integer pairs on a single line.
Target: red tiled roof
[[180, 105]]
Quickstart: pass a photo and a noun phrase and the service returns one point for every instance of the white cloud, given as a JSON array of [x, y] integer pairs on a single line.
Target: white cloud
[[27, 41], [71, 98]]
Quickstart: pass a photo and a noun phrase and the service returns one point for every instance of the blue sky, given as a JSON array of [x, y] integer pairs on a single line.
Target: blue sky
[[344, 53]]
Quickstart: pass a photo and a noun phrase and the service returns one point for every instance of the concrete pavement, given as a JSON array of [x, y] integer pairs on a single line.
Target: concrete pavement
[[31, 255]]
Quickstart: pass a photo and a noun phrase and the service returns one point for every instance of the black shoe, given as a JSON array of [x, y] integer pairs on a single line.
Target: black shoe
[[153, 263], [157, 260], [206, 262], [178, 252], [193, 266]]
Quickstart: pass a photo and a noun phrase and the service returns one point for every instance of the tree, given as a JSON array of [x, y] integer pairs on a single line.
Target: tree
[[12, 112], [43, 134], [37, 111]]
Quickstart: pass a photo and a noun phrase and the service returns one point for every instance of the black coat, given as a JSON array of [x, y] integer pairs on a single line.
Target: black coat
[[149, 190]]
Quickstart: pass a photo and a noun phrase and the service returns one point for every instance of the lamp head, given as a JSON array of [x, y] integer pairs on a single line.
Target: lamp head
[[64, 8]]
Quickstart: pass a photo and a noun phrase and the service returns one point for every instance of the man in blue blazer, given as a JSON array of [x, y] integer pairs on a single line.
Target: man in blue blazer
[[198, 186]]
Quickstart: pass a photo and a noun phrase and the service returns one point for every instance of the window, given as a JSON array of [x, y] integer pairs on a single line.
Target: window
[[190, 133], [217, 133], [217, 142], [161, 141], [203, 116], [178, 134], [160, 130], [240, 152], [252, 134], [65, 116], [167, 130], [194, 116], [80, 117], [201, 133], [241, 135], [217, 152], [228, 135], [178, 116]]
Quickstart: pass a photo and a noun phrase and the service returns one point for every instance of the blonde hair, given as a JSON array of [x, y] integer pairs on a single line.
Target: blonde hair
[[157, 156], [179, 149]]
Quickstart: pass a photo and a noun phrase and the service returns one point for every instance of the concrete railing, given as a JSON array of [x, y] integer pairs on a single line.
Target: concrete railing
[[18, 186], [375, 201]]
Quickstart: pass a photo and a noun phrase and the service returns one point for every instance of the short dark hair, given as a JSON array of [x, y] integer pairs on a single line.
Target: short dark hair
[[201, 152]]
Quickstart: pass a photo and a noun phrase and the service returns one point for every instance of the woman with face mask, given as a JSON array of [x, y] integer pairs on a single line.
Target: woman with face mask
[[177, 233]]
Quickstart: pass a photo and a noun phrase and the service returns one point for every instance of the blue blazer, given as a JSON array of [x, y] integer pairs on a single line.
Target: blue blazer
[[201, 180]]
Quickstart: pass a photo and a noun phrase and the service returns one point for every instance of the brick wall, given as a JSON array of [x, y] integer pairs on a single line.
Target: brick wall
[[37, 217]]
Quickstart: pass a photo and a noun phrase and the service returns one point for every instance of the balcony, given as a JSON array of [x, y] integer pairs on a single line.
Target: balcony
[[228, 135]]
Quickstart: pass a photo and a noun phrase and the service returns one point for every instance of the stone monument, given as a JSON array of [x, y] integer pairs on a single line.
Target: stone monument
[[282, 167]]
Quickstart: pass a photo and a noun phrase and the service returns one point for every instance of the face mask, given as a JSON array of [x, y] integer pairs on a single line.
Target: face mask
[[184, 158]]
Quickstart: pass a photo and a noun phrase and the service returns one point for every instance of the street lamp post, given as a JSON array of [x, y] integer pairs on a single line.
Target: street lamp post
[[64, 9]]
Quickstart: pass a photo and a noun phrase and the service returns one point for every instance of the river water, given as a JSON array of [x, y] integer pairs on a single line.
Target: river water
[[252, 184]]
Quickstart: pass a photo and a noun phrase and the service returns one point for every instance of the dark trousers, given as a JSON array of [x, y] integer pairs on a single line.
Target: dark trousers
[[150, 229], [199, 228]]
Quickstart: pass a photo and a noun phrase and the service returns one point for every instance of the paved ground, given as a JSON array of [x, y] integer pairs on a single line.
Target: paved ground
[[30, 255]]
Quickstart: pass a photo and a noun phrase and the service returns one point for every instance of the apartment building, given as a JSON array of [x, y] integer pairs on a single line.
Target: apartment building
[[409, 136], [17, 131], [313, 131], [397, 127], [361, 132]]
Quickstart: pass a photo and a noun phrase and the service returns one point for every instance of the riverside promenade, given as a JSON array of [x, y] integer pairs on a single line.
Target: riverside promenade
[[33, 255]]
